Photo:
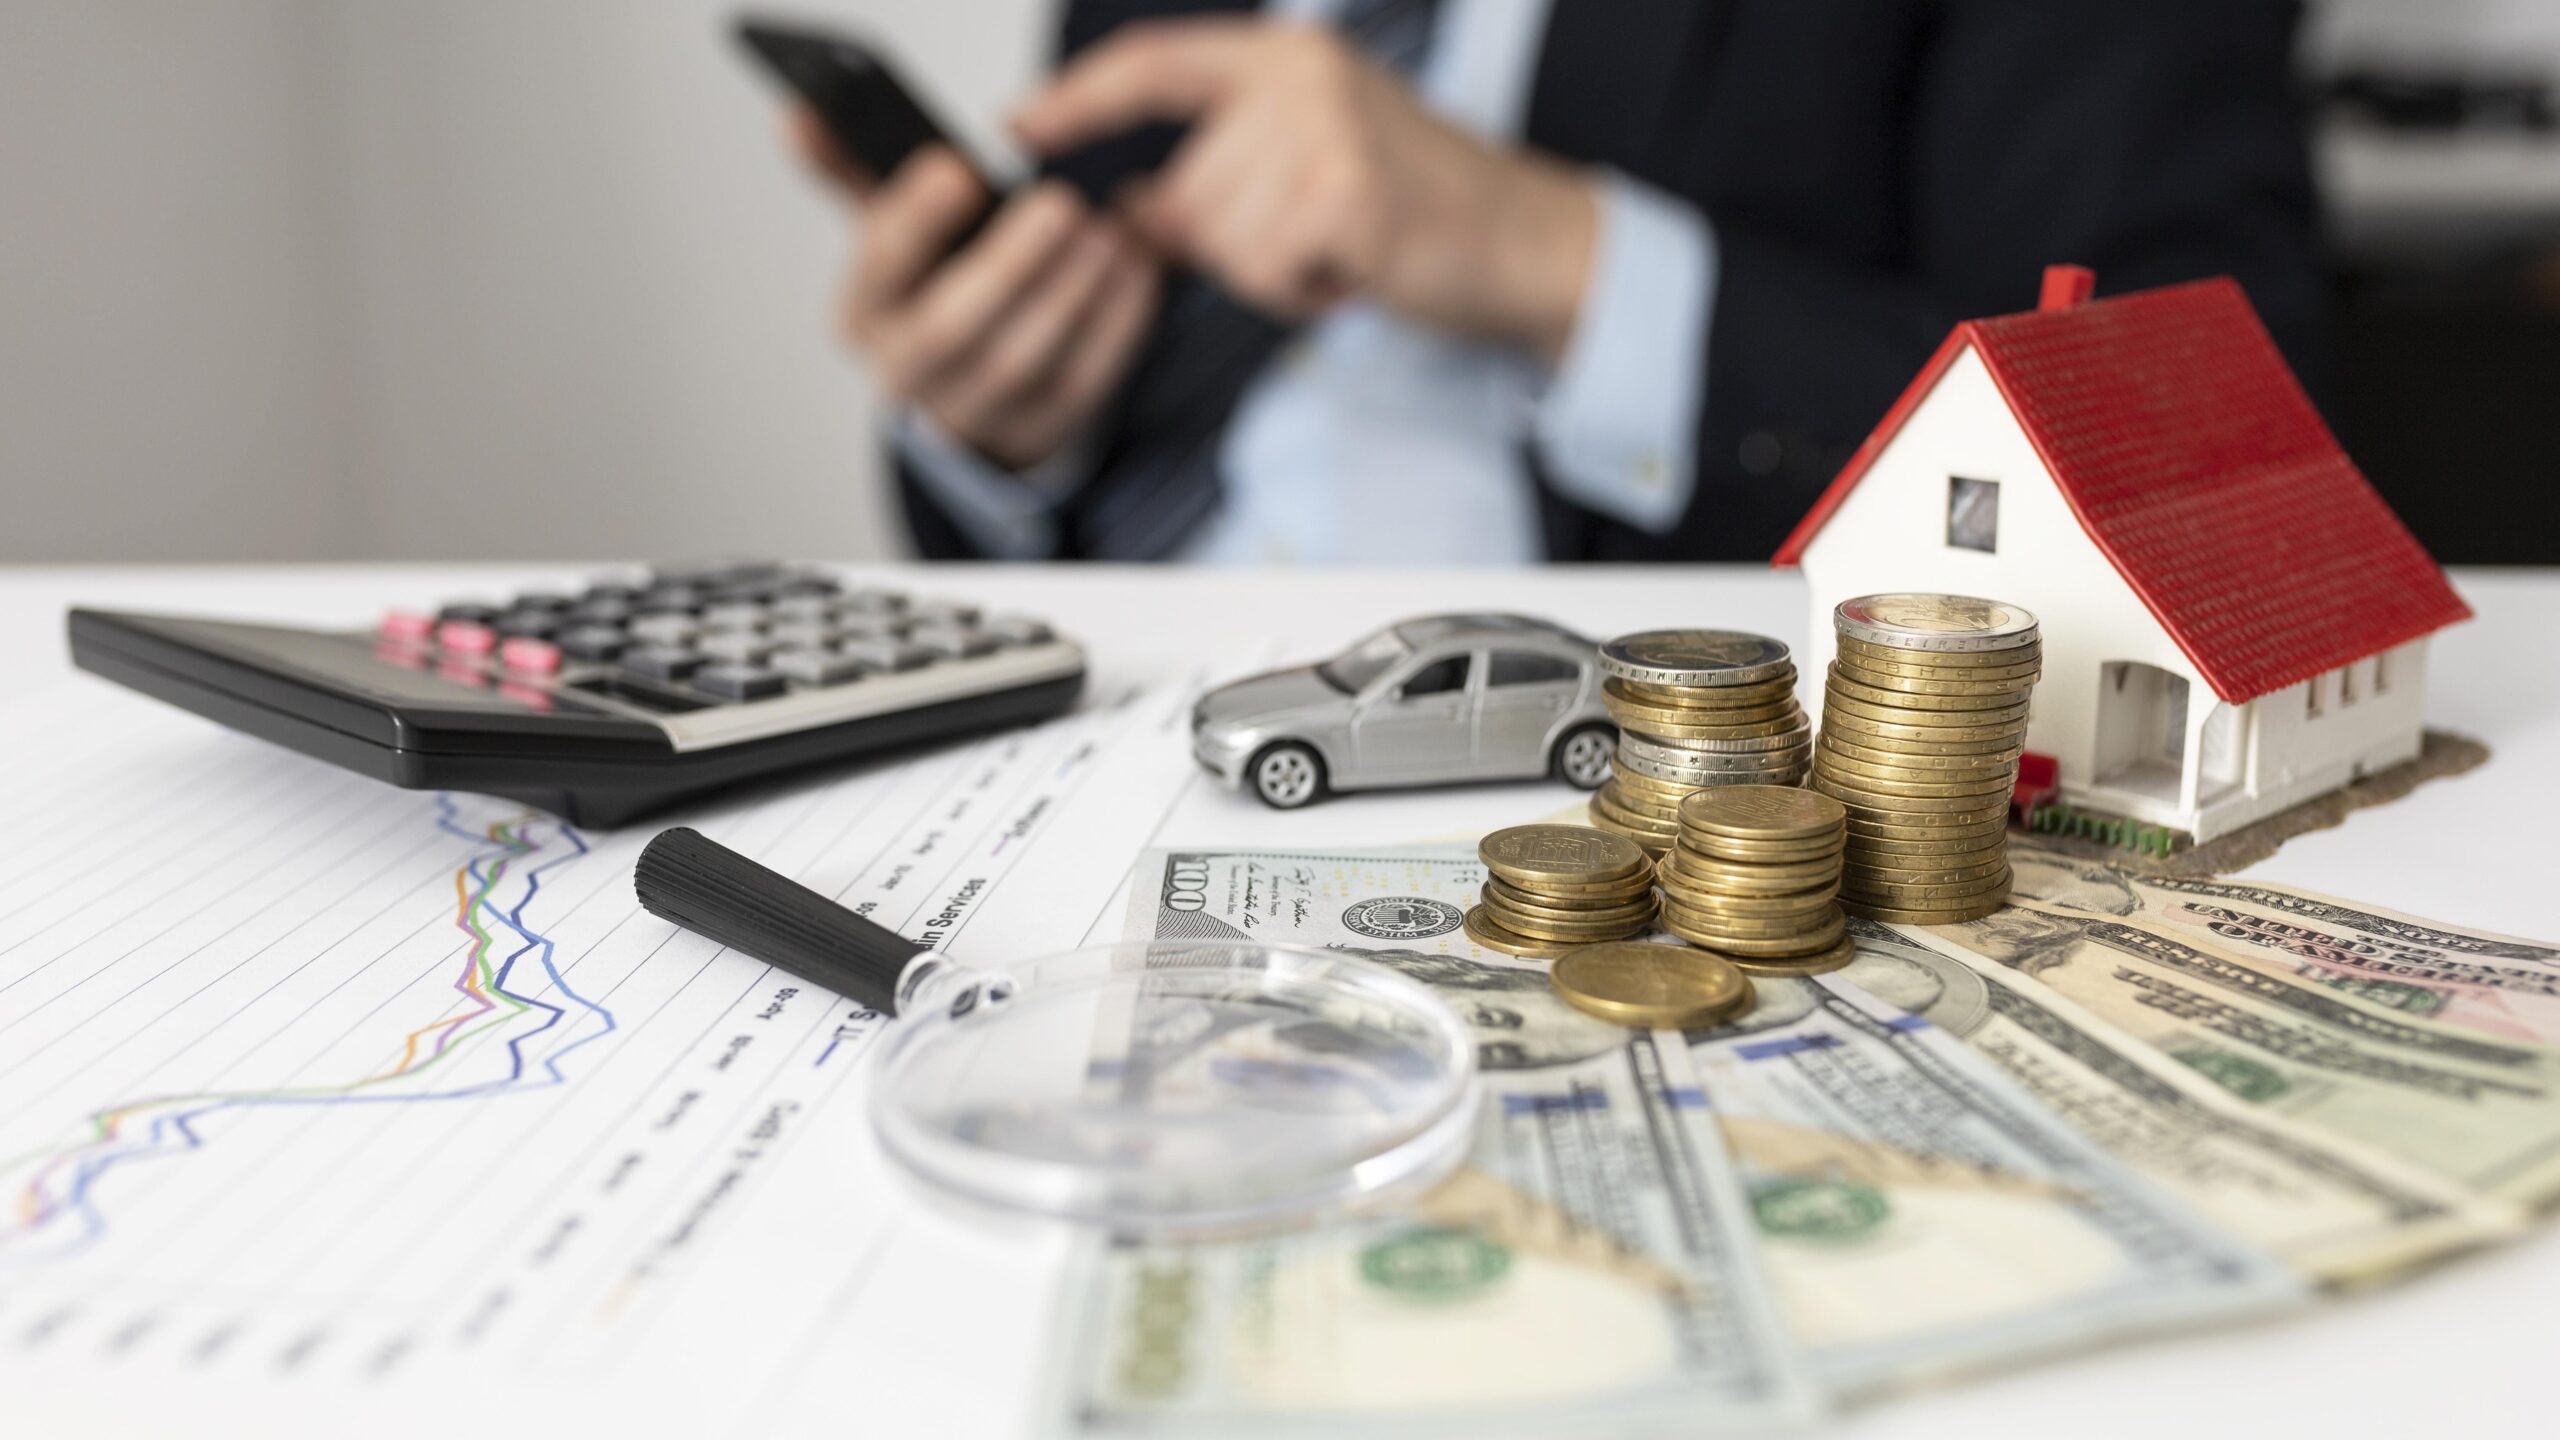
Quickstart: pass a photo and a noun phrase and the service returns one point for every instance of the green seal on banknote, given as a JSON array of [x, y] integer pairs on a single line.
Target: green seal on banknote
[[1829, 1211], [1435, 1263], [2249, 1079], [2392, 994]]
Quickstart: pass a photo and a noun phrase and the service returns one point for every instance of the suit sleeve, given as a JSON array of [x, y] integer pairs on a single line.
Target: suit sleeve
[[2153, 143]]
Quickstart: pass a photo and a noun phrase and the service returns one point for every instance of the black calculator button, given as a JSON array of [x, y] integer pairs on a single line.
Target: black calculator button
[[665, 627], [1017, 629], [953, 642], [543, 600], [477, 614], [808, 666], [592, 611], [736, 647], [538, 624], [609, 593], [684, 599], [886, 654], [738, 682], [663, 662], [804, 607], [594, 642]]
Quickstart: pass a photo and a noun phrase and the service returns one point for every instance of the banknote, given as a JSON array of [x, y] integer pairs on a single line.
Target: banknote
[[2480, 1111], [1922, 1215], [1590, 1270], [2494, 984], [2335, 1211]]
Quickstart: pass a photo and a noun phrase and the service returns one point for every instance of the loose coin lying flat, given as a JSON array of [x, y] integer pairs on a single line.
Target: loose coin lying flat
[[1655, 987]]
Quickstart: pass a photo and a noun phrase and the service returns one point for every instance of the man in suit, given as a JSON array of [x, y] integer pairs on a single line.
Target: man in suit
[[1493, 279]]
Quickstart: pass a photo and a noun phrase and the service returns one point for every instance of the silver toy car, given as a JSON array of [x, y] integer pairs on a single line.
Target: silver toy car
[[1425, 702]]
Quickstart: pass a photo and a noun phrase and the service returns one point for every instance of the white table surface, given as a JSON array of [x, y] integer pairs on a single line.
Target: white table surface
[[2469, 1351]]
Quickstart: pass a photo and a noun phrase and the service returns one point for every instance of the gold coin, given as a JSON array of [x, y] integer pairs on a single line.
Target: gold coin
[[1925, 854], [1606, 802], [1695, 870], [2024, 664], [1867, 734], [1655, 718], [1917, 839], [1507, 904], [1675, 750], [1762, 812], [1758, 927], [1962, 724], [1696, 657], [1952, 913], [1859, 772], [1920, 892], [1900, 809], [1767, 730], [1771, 909], [1528, 854], [1650, 986], [1570, 893], [1725, 847], [1487, 932], [1958, 870], [1701, 697], [1923, 620], [1840, 743], [1884, 682], [1898, 790], [1661, 809], [1837, 752], [1651, 845], [1816, 964], [1811, 941], [1839, 684], [1552, 932]]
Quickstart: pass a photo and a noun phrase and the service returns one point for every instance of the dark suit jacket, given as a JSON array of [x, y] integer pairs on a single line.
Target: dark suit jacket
[[1877, 170]]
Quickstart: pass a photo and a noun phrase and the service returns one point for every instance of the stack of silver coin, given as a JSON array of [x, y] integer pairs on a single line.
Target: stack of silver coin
[[1695, 709]]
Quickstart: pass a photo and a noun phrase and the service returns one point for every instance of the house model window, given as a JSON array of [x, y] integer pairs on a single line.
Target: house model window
[[1973, 514]]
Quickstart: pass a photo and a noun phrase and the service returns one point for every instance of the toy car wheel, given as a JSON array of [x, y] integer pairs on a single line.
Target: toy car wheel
[[1287, 776], [1582, 758]]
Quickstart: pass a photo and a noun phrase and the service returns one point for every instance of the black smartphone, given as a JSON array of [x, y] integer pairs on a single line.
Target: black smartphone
[[868, 111]]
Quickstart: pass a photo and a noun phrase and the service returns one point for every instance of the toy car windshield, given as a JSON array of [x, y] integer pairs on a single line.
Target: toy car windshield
[[1354, 669]]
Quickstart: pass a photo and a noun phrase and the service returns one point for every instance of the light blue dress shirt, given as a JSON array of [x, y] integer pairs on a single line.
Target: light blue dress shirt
[[1373, 440]]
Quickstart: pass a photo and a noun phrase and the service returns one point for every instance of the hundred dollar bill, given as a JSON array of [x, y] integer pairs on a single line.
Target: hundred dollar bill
[[1923, 1216], [2335, 1211], [1591, 1269], [2493, 984], [2482, 1112]]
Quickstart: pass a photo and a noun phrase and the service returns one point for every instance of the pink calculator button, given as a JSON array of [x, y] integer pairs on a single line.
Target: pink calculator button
[[405, 625], [466, 637], [527, 656]]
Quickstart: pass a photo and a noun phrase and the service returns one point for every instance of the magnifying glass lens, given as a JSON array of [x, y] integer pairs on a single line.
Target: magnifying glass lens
[[1177, 1085]]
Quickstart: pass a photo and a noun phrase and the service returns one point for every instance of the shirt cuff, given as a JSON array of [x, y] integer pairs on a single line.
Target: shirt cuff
[[1010, 514], [1618, 424]]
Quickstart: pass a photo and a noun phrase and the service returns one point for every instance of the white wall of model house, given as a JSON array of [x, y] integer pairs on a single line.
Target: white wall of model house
[[2129, 719]]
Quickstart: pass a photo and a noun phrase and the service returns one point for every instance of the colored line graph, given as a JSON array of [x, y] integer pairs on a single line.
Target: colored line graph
[[57, 1210]]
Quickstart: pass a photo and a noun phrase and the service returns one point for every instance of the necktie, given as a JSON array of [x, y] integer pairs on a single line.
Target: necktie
[[1158, 479]]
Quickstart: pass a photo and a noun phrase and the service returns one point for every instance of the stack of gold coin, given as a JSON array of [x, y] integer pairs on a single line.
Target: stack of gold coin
[[1923, 721], [1695, 709], [1755, 875], [1553, 888]]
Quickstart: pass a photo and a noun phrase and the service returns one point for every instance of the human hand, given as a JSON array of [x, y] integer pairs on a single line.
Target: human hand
[[1015, 341], [1311, 174]]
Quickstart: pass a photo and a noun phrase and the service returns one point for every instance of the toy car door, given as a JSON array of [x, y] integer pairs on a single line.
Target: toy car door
[[1526, 695], [1418, 727]]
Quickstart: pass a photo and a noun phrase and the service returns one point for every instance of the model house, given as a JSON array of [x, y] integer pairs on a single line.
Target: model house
[[2234, 621]]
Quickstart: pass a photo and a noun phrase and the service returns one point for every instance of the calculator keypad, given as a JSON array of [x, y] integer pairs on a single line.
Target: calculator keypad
[[703, 635]]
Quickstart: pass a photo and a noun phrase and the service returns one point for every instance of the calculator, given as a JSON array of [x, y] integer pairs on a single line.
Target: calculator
[[604, 703]]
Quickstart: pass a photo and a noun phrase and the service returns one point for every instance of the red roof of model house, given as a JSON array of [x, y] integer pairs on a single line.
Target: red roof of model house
[[2195, 461]]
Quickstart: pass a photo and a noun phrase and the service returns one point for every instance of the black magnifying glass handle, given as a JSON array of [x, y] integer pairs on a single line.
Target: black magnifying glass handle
[[688, 879]]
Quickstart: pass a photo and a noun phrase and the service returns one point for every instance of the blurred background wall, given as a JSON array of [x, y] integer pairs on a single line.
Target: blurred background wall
[[288, 279]]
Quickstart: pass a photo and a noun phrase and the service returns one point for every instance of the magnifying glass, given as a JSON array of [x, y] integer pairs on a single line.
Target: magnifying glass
[[1160, 1086]]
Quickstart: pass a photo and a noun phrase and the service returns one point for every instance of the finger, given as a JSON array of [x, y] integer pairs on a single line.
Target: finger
[[1161, 70], [807, 137], [1109, 337], [908, 226], [1030, 342], [1176, 211], [953, 313], [1328, 241]]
